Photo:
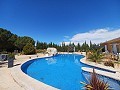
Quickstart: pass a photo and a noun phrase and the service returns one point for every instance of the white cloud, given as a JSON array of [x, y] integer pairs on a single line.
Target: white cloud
[[96, 36], [66, 37]]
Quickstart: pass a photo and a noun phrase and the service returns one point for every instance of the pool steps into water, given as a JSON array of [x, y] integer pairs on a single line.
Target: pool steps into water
[[115, 76]]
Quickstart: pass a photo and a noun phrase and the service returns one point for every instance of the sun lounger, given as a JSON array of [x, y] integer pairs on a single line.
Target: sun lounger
[[3, 57]]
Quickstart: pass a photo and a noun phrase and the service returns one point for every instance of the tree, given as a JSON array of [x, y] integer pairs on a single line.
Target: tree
[[45, 45], [29, 49], [78, 46], [38, 45], [10, 42], [91, 46], [85, 47], [22, 41], [50, 44], [63, 48], [71, 47], [6, 40]]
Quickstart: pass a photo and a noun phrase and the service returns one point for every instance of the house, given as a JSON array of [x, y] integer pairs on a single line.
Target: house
[[112, 46]]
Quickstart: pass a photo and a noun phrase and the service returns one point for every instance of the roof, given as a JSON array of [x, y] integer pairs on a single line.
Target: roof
[[116, 40]]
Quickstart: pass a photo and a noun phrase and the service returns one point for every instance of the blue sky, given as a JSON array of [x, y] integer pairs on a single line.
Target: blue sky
[[62, 20]]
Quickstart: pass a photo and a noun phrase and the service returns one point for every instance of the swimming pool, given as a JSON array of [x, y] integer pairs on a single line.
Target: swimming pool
[[62, 71]]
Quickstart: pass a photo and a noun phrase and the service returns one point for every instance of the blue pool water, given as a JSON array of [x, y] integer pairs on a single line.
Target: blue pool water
[[62, 71]]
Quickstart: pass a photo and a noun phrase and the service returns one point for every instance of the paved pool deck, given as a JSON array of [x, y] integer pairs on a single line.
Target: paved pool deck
[[14, 79]]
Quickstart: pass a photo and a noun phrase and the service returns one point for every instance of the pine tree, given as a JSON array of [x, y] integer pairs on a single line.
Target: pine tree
[[29, 49], [91, 46]]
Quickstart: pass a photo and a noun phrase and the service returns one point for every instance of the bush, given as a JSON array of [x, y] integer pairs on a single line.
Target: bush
[[29, 49], [3, 52], [41, 51], [95, 55], [109, 63], [11, 56]]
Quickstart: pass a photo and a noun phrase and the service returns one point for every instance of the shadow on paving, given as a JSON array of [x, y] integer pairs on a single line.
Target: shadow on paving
[[17, 64]]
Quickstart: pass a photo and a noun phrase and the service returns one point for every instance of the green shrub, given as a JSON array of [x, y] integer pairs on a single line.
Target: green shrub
[[109, 63], [3, 52], [95, 55], [29, 49], [41, 51], [11, 56]]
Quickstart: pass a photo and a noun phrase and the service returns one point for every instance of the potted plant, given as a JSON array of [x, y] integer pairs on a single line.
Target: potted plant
[[11, 58]]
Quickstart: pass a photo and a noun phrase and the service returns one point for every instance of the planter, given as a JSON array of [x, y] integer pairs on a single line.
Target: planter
[[10, 62]]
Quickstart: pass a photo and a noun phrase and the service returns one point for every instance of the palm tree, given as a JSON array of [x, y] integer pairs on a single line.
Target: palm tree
[[96, 55]]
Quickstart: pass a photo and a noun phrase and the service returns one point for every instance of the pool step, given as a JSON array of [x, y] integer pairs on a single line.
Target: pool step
[[104, 73]]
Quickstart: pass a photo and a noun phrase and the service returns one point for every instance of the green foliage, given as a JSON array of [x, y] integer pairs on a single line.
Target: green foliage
[[41, 45], [65, 48], [10, 42], [5, 42], [41, 50], [71, 47], [44, 45], [22, 41], [29, 49], [109, 63], [84, 47], [77, 47], [11, 56], [96, 55], [95, 83], [4, 52]]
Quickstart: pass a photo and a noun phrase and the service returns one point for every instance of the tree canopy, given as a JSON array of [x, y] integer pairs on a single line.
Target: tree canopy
[[29, 49], [10, 42], [22, 41]]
